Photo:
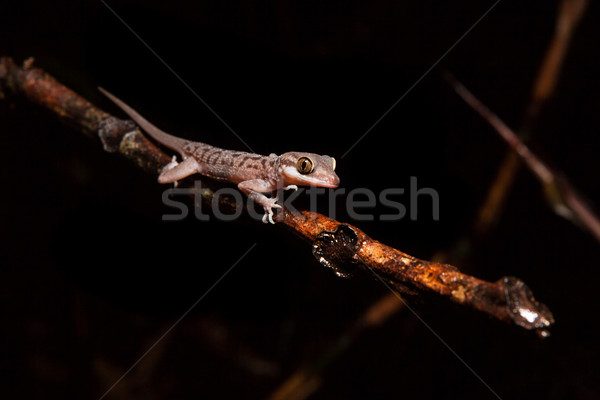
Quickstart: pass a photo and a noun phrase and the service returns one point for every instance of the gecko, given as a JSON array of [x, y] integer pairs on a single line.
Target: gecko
[[254, 174]]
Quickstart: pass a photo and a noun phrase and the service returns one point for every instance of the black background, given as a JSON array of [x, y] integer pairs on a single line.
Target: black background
[[91, 276]]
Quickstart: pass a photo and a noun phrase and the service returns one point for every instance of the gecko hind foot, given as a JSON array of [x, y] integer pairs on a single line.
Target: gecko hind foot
[[172, 164]]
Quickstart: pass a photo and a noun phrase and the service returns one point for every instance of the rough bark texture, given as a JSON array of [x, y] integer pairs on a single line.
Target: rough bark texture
[[339, 246]]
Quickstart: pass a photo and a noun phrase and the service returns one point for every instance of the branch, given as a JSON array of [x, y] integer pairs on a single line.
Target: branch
[[336, 245], [307, 378]]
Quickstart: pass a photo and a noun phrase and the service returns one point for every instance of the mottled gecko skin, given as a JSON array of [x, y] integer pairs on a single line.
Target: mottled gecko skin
[[233, 166], [254, 174]]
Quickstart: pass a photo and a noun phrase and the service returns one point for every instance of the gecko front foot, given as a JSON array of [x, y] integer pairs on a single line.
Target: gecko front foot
[[291, 187], [270, 204]]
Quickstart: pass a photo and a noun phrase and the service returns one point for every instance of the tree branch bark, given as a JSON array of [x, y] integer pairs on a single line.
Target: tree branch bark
[[340, 246]]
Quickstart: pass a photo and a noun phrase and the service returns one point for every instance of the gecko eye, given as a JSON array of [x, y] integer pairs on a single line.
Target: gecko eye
[[305, 165]]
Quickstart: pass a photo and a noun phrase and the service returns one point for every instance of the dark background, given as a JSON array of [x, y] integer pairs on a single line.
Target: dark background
[[91, 276]]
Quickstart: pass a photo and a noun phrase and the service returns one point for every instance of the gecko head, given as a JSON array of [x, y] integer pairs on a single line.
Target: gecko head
[[308, 169]]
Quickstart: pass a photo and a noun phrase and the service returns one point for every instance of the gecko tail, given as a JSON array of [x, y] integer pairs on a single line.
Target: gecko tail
[[168, 140]]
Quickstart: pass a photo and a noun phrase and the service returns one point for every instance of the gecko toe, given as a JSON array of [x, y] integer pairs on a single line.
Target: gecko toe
[[268, 218], [172, 164]]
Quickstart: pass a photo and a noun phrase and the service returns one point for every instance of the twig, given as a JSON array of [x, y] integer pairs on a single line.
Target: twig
[[569, 14], [307, 378], [335, 244], [562, 195], [568, 17]]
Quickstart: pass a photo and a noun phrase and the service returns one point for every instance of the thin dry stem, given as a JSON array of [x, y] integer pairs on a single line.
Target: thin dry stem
[[569, 15], [561, 194]]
